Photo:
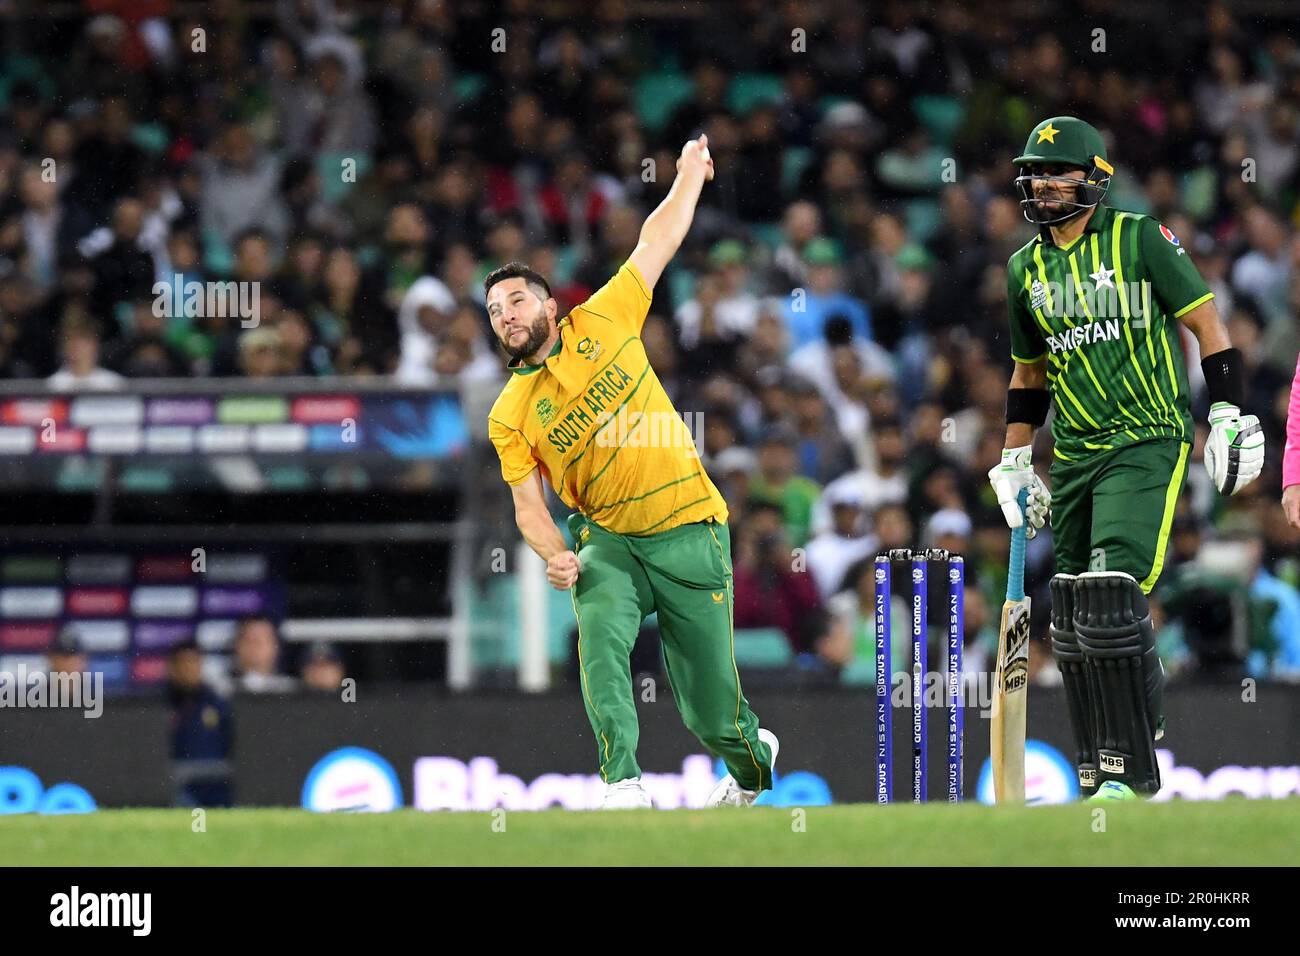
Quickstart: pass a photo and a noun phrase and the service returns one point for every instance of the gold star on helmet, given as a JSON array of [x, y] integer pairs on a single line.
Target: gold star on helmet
[[1048, 133]]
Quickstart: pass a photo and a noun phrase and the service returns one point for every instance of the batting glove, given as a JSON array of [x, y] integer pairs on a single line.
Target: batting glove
[[1014, 474], [1234, 452]]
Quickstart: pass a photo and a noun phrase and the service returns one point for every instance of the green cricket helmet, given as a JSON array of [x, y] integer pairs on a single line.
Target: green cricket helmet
[[1063, 141]]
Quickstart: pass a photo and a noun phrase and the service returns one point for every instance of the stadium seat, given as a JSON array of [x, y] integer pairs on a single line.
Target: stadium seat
[[147, 479], [941, 116], [924, 218], [762, 647], [768, 233], [151, 137], [749, 90], [832, 100], [469, 86], [657, 95], [79, 475], [288, 478], [328, 166], [859, 672], [218, 259], [494, 623], [793, 162], [681, 286], [16, 69]]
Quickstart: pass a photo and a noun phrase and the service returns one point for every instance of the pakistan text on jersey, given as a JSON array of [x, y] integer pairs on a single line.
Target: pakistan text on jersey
[[1087, 300], [604, 390], [1084, 335]]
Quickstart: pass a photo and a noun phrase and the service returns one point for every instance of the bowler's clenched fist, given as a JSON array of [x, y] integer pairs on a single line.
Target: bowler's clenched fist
[[562, 570]]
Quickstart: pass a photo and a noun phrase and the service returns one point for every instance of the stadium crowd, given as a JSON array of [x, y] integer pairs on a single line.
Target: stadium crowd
[[837, 320]]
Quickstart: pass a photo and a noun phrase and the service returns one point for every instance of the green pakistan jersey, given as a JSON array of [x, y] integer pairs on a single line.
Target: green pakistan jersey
[[1103, 311]]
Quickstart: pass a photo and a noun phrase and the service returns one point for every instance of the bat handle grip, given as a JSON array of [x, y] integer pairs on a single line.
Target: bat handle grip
[[1016, 566]]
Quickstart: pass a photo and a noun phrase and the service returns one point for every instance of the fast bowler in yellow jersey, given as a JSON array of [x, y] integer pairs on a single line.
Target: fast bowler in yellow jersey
[[584, 411]]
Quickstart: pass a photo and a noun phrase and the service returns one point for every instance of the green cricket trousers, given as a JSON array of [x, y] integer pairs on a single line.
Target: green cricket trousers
[[1113, 511], [685, 575]]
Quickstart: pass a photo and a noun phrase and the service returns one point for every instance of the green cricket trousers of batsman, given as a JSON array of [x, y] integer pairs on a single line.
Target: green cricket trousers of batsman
[[1111, 516], [685, 575], [1113, 511]]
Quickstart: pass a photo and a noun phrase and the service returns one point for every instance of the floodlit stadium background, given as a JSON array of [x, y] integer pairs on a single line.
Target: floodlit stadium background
[[301, 485]]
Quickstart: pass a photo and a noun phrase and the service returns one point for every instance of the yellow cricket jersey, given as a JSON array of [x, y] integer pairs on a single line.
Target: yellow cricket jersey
[[597, 422]]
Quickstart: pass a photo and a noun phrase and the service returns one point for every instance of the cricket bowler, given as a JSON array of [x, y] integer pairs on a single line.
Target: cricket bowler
[[1094, 301], [584, 411]]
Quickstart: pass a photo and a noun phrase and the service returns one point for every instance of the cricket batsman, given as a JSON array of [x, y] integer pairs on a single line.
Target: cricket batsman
[[1094, 301], [584, 411]]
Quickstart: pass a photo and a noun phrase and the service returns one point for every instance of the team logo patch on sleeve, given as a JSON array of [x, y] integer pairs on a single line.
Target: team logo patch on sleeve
[[1164, 231], [1037, 295], [546, 411]]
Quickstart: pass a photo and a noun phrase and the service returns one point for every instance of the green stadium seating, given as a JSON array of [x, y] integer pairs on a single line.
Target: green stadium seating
[[494, 623], [218, 259], [328, 167], [80, 476], [762, 647], [657, 95], [831, 100], [924, 217], [146, 479], [15, 69], [749, 90], [151, 137], [469, 86], [941, 116], [768, 233], [793, 163], [288, 478], [681, 287]]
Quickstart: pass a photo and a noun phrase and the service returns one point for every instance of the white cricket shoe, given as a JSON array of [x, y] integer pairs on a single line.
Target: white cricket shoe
[[728, 793], [626, 795]]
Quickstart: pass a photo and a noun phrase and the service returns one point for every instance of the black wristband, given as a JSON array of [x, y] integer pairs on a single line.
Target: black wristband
[[1028, 405], [1225, 377]]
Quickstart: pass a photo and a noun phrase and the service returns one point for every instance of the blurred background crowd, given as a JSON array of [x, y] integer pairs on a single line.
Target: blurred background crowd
[[837, 319]]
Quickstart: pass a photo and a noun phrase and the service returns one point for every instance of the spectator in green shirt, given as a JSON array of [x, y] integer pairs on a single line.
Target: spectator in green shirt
[[779, 483]]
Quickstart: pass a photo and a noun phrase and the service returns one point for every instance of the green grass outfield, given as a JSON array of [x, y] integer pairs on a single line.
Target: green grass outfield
[[1234, 832]]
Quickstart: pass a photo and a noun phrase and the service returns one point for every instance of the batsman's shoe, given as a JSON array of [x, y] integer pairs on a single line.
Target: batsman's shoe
[[728, 793], [1113, 790], [626, 795]]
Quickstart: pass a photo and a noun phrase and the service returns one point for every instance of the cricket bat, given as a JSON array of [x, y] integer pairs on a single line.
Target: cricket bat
[[1011, 680]]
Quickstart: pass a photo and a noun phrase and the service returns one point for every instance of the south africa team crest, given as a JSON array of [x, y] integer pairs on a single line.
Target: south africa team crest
[[589, 349]]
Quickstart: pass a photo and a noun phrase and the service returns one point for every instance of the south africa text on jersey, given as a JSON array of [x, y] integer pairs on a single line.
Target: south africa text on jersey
[[605, 389]]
